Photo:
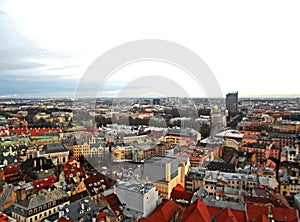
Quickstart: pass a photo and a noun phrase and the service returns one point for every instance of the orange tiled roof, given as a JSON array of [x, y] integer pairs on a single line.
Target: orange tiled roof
[[255, 212], [181, 195], [102, 215], [62, 219], [226, 215], [179, 187], [239, 215], [285, 214], [114, 203], [3, 217], [44, 183], [197, 211], [163, 213]]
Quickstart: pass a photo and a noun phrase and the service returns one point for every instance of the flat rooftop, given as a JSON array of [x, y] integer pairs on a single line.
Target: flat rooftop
[[160, 159]]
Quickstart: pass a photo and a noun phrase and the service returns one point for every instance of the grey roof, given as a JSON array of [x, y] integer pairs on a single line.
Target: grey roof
[[5, 194], [83, 208], [54, 148], [43, 197], [211, 201], [97, 145], [282, 135], [159, 159], [135, 186]]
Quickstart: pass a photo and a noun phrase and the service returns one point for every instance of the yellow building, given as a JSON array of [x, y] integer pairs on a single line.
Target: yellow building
[[89, 149], [165, 173], [175, 140], [122, 153]]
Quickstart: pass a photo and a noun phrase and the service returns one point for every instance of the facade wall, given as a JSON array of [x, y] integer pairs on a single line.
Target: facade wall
[[38, 213]]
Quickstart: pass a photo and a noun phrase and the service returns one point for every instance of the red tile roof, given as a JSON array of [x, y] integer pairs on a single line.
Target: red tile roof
[[102, 215], [256, 200], [181, 195], [44, 183], [3, 217], [179, 187], [240, 215], [62, 219], [114, 203], [163, 213], [284, 214], [72, 169], [226, 215], [12, 169], [255, 212], [34, 131], [264, 218], [95, 183], [278, 200], [197, 211], [214, 211]]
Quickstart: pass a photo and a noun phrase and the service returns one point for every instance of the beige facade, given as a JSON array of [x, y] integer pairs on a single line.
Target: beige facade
[[131, 138], [175, 140], [38, 207]]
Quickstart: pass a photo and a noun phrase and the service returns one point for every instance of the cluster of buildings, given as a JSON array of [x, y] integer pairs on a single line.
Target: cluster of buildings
[[119, 172]]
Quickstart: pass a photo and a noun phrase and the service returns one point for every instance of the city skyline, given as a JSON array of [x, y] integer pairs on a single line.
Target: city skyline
[[43, 58]]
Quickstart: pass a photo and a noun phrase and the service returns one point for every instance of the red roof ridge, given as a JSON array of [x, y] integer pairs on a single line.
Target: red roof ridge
[[197, 211], [163, 212], [179, 187], [284, 214], [226, 215]]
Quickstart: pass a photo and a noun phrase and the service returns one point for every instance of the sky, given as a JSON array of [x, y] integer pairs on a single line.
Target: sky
[[250, 46]]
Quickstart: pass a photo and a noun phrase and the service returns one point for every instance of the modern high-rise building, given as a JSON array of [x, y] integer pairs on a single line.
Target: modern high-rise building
[[232, 103]]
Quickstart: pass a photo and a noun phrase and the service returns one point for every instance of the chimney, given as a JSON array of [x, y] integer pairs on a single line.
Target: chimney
[[94, 218], [61, 211]]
